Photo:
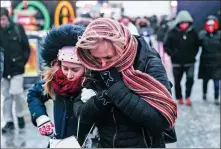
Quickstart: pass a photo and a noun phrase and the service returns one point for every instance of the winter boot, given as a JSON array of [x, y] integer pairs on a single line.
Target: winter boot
[[8, 127], [204, 97], [180, 101], [21, 122], [217, 101], [188, 102]]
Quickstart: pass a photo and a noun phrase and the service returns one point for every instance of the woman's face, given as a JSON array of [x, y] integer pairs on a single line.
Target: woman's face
[[104, 54], [71, 70]]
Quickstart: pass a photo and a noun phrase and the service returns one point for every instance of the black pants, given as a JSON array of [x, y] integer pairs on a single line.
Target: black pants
[[216, 87], [178, 71]]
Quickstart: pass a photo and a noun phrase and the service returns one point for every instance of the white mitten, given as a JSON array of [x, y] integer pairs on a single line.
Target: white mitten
[[86, 94], [45, 126]]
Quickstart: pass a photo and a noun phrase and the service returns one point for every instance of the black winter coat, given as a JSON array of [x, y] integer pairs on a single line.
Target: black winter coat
[[162, 30], [16, 49], [182, 47], [128, 121], [210, 65], [64, 120]]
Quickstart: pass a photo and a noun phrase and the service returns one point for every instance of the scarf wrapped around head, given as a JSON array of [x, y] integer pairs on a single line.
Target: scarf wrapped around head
[[125, 43]]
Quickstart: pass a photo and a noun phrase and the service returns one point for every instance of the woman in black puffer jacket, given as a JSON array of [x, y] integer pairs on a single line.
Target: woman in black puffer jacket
[[123, 118], [134, 107]]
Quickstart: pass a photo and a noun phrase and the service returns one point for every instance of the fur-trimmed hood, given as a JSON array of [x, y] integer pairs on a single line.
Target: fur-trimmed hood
[[58, 37]]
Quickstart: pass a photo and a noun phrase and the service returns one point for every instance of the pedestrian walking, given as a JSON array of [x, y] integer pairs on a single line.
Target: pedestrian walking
[[145, 29], [161, 32], [210, 66], [61, 82], [16, 54], [125, 20], [182, 44], [128, 110]]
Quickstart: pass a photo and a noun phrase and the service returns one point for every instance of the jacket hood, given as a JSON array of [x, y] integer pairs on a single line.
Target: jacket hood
[[215, 21], [57, 38], [183, 16], [211, 17]]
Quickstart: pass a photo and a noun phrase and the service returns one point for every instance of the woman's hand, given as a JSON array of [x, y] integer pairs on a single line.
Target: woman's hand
[[45, 126], [86, 94]]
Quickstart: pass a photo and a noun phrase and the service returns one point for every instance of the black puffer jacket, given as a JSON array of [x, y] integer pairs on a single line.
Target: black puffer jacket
[[128, 121], [16, 49]]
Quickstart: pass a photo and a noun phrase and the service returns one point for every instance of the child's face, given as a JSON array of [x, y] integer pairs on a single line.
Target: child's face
[[71, 70]]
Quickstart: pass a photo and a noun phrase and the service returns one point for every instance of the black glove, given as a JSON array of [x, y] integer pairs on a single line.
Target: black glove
[[110, 76], [103, 98], [94, 81]]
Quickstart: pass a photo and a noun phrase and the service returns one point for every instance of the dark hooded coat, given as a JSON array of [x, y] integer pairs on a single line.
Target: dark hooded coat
[[181, 46], [210, 66]]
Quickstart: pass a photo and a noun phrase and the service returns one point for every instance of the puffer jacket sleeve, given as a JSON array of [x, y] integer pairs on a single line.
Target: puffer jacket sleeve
[[155, 68], [133, 106], [36, 100]]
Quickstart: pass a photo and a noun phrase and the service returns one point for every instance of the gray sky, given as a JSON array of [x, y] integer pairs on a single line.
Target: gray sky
[[146, 8]]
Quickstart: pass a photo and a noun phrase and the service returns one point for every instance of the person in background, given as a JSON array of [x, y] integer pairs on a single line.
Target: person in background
[[154, 23], [127, 22], [182, 44], [144, 29], [144, 26], [62, 82], [210, 66], [162, 29], [161, 32], [16, 54]]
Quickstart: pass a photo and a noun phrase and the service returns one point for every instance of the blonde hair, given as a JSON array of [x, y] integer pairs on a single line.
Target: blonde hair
[[48, 77]]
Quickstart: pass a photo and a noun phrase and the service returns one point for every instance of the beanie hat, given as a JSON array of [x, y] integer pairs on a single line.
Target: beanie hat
[[68, 54]]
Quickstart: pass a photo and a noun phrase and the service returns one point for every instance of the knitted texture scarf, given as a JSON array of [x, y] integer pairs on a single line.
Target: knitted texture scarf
[[151, 90], [65, 87]]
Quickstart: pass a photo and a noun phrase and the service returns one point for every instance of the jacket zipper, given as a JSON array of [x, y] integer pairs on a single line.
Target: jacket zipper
[[115, 135], [151, 140], [145, 141]]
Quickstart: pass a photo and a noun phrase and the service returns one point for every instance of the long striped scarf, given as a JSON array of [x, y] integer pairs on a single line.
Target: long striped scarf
[[151, 90]]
